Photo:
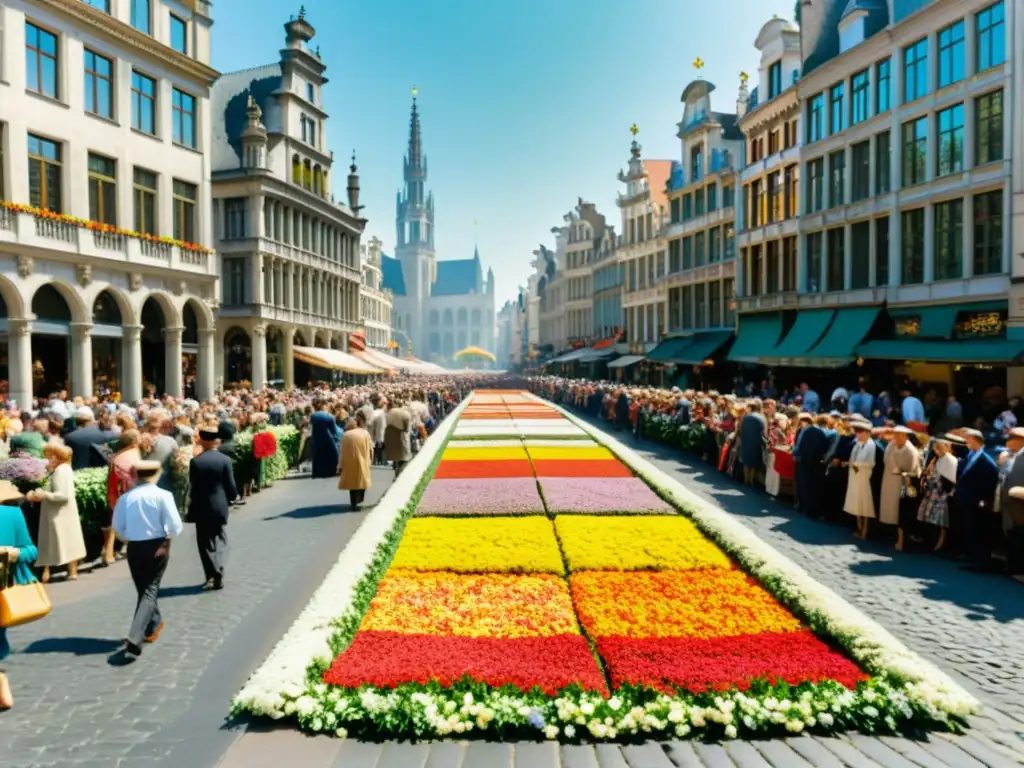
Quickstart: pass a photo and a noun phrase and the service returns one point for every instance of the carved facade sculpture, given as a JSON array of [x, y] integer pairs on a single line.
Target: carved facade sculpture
[[84, 274], [25, 266]]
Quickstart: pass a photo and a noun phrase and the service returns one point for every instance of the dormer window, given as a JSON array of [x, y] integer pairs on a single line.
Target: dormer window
[[311, 93], [774, 79]]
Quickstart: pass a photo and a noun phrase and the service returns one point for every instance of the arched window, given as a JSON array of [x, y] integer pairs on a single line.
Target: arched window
[[463, 315], [296, 170], [448, 318], [318, 180], [434, 318], [307, 174], [476, 317]]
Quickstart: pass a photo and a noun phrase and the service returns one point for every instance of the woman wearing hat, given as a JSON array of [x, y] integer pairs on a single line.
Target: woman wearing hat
[[902, 468], [16, 547], [937, 485], [60, 529]]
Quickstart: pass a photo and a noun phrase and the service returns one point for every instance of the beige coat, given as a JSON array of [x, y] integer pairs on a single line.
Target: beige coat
[[897, 460], [60, 530], [396, 435], [354, 460]]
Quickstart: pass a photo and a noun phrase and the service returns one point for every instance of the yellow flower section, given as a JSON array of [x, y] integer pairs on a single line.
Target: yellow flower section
[[455, 605], [568, 452], [483, 454], [480, 545], [635, 543], [703, 604]]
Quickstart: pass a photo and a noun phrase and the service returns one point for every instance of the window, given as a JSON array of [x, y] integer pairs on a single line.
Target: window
[[861, 172], [141, 15], [836, 121], [835, 269], [234, 282], [698, 203], [816, 118], [102, 189], [179, 34], [988, 233], [712, 197], [814, 262], [144, 194], [44, 174], [143, 103], [714, 245], [698, 250], [234, 218], [99, 82], [991, 37], [774, 79], [674, 255], [699, 306], [183, 118], [715, 304], [696, 164], [915, 70], [728, 291], [103, 5], [311, 93], [951, 54], [951, 140], [883, 86], [837, 177], [816, 185], [913, 247], [915, 148], [860, 242], [882, 251], [3, 163], [40, 60], [791, 185], [687, 253], [949, 240], [184, 211], [883, 163], [988, 114], [860, 109]]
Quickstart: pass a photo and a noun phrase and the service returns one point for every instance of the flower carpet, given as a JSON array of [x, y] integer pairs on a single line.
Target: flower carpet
[[538, 583]]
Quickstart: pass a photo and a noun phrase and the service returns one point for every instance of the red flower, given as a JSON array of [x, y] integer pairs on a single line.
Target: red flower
[[264, 445], [581, 468], [483, 468], [724, 662], [388, 659]]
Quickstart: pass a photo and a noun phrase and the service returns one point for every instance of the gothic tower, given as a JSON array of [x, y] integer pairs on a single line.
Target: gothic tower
[[414, 229]]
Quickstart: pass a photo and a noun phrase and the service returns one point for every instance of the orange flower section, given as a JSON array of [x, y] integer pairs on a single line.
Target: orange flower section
[[581, 468], [702, 604], [486, 469], [492, 605]]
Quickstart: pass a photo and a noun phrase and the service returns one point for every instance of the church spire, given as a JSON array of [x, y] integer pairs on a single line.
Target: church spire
[[415, 157]]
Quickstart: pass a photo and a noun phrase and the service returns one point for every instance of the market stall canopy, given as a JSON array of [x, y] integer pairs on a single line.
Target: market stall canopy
[[568, 357], [594, 355], [758, 333], [625, 361], [376, 358], [475, 352], [335, 359]]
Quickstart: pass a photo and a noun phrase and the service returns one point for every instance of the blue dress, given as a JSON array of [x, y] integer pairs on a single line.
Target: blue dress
[[325, 437], [14, 533]]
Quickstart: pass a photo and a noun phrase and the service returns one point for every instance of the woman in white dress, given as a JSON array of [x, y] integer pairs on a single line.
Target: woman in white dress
[[859, 500], [60, 530]]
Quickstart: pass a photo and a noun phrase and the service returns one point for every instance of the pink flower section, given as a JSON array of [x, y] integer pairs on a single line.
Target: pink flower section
[[601, 495], [497, 496]]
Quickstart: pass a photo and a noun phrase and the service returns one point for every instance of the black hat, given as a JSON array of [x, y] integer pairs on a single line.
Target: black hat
[[209, 433]]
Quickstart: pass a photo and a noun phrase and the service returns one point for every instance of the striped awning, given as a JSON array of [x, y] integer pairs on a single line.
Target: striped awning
[[336, 360]]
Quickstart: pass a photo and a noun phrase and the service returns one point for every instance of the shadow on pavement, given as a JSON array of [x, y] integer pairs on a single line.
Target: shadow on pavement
[[305, 513], [79, 646], [186, 591]]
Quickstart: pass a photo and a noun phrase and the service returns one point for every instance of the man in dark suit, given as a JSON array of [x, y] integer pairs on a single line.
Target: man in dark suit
[[977, 477], [226, 436], [86, 436], [212, 483], [809, 452]]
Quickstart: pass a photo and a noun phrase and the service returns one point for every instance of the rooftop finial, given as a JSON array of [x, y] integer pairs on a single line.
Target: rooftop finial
[[353, 166], [698, 64], [634, 129], [415, 92], [302, 13]]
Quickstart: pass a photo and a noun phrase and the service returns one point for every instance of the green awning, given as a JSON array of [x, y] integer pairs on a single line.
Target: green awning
[[992, 351], [937, 321], [809, 328], [702, 346], [839, 344], [668, 350], [596, 355], [758, 333]]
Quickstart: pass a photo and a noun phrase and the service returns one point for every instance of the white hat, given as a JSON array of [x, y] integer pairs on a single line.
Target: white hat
[[84, 414]]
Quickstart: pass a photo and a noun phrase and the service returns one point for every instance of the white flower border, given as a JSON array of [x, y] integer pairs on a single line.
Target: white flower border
[[867, 641], [282, 677]]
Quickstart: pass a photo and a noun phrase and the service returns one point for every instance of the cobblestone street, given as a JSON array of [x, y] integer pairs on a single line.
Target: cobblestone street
[[74, 708]]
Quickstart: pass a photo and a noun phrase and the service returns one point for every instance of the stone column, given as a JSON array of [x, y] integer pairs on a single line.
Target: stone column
[[289, 285], [19, 362], [823, 285], [172, 361], [929, 243], [847, 257], [259, 357], [288, 358], [968, 236], [873, 255], [131, 364], [81, 359], [206, 365]]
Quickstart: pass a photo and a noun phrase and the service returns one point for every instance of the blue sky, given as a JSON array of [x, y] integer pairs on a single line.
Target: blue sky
[[526, 105]]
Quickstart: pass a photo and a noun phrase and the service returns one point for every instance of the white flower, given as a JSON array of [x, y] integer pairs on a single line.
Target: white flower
[[551, 731], [587, 708], [341, 733], [794, 726], [826, 719], [570, 731], [305, 705], [614, 703], [730, 731]]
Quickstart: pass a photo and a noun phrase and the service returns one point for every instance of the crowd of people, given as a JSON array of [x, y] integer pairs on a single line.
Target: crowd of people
[[882, 464], [344, 431]]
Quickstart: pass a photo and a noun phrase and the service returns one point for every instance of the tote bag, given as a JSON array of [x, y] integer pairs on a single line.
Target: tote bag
[[20, 603]]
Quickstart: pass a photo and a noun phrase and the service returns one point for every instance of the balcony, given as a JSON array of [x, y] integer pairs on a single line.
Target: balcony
[[77, 243], [285, 315], [707, 272], [291, 253]]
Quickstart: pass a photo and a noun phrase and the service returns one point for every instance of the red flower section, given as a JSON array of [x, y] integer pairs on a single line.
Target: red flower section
[[523, 414], [388, 659], [581, 468], [724, 662], [483, 469]]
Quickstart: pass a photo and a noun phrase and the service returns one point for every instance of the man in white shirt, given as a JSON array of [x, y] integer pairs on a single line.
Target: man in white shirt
[[147, 518]]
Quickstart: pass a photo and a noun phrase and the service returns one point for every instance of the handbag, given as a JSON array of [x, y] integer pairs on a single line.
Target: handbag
[[20, 603]]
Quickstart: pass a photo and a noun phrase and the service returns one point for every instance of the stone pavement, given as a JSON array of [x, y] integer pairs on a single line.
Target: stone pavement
[[76, 702], [972, 626]]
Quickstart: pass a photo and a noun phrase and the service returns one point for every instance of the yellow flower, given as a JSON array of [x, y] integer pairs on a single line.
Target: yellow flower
[[706, 604], [455, 605], [634, 543], [479, 545], [568, 452], [483, 454]]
